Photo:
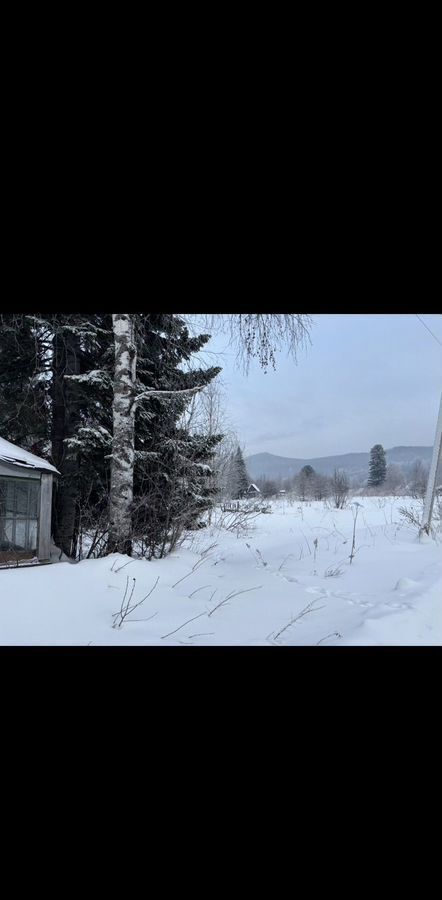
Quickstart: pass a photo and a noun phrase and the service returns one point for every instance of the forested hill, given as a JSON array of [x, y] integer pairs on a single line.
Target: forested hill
[[269, 465]]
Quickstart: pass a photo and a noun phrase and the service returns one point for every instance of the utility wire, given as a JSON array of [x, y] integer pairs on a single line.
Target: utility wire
[[428, 329]]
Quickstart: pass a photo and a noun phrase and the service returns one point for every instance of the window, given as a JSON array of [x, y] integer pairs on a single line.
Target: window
[[19, 514]]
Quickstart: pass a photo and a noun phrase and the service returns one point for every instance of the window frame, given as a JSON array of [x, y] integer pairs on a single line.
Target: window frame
[[14, 518]]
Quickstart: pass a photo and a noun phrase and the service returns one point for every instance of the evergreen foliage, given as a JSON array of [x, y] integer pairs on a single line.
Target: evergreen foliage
[[56, 374], [24, 384], [173, 475], [239, 480], [304, 483], [377, 466]]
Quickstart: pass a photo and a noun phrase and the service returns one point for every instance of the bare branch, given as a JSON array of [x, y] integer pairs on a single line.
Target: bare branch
[[182, 626], [229, 597], [332, 634], [304, 612]]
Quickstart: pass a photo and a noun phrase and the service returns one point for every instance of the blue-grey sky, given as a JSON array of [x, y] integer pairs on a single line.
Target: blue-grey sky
[[365, 379]]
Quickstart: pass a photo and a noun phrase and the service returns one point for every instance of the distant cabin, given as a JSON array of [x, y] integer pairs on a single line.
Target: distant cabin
[[25, 506], [252, 490]]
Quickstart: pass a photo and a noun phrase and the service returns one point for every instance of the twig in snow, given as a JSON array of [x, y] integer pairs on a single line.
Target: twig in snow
[[125, 564], [229, 597], [284, 560], [124, 611], [197, 565], [259, 556], [201, 634], [212, 595], [144, 620], [208, 549], [332, 573], [308, 545], [182, 626], [198, 589], [304, 612], [121, 610], [355, 519], [332, 634]]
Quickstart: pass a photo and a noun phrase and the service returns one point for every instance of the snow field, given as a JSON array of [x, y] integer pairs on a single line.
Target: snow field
[[286, 579]]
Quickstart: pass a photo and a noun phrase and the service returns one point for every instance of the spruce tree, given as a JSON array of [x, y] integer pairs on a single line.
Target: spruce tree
[[46, 403], [173, 472], [305, 482], [56, 399], [24, 385], [81, 395], [238, 478], [377, 466]]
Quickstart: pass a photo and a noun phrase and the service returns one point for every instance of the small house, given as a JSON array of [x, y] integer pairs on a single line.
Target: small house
[[252, 490], [25, 505]]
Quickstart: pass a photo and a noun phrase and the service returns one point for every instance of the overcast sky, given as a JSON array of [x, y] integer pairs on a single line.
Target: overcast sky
[[365, 379]]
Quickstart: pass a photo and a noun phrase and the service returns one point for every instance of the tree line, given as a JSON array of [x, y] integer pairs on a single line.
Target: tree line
[[106, 399], [382, 478]]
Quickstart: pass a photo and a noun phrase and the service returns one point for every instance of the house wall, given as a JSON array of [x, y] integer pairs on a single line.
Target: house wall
[[18, 471], [44, 530], [45, 504]]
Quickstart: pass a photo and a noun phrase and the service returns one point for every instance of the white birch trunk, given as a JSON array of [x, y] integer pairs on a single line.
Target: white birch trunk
[[123, 455]]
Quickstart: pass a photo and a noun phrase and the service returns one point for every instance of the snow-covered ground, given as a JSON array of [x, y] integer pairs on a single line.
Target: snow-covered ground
[[285, 580]]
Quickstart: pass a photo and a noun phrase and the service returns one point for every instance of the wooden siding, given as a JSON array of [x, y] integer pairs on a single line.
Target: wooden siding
[[44, 525], [18, 471]]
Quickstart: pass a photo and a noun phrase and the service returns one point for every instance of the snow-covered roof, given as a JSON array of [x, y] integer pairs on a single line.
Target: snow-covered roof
[[255, 487], [16, 456]]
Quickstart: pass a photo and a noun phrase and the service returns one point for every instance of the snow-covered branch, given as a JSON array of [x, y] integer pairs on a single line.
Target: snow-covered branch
[[95, 377], [154, 393]]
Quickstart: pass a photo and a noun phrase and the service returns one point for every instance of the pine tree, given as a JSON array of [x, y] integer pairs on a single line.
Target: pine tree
[[377, 466], [81, 393], [24, 385], [57, 375], [46, 407], [239, 480], [305, 482], [173, 483]]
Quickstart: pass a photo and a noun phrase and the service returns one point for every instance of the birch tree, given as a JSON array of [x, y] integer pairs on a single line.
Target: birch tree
[[128, 395], [123, 450], [261, 335]]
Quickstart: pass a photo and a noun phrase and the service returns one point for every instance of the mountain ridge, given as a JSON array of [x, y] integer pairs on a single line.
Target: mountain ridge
[[271, 465]]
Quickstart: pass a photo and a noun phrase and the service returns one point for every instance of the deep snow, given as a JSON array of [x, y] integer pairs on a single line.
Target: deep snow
[[390, 594]]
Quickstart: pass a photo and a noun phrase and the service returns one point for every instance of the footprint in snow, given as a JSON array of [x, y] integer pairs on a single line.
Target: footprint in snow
[[355, 602], [400, 605], [406, 585]]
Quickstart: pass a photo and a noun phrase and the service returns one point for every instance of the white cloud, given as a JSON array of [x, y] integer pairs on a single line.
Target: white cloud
[[365, 379]]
